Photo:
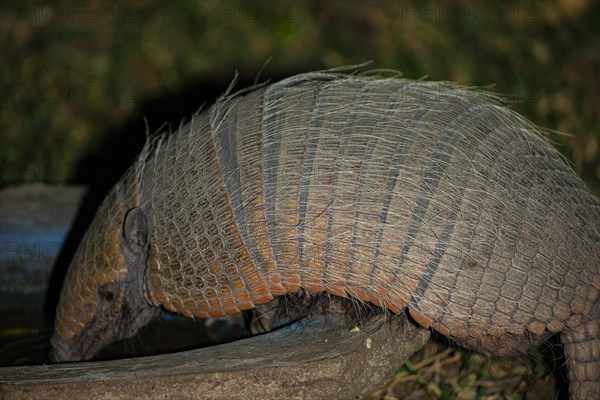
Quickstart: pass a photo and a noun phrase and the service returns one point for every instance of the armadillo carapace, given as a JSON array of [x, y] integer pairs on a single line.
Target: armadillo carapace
[[406, 194]]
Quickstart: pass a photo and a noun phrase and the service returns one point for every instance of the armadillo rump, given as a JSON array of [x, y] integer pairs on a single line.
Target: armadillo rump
[[410, 195]]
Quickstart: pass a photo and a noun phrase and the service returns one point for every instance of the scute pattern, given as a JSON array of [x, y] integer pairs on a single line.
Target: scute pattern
[[410, 194], [197, 266], [392, 191]]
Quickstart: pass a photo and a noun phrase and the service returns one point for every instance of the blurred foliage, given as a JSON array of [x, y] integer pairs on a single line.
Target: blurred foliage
[[73, 71]]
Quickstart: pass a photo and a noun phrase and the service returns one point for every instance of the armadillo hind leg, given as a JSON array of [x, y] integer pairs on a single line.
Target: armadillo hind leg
[[582, 349]]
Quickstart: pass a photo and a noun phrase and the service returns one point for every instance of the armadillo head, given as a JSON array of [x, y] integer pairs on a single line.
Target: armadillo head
[[102, 299]]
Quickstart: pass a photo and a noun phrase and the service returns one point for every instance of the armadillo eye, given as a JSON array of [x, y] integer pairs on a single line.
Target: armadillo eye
[[106, 294]]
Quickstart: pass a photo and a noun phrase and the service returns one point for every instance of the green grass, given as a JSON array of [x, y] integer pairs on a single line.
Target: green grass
[[444, 373]]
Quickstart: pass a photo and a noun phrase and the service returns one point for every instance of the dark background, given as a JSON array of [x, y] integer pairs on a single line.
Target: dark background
[[75, 75]]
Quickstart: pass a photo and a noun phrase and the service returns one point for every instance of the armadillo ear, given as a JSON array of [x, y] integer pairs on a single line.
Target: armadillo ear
[[135, 230]]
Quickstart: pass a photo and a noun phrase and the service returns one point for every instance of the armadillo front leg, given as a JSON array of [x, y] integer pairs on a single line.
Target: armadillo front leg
[[582, 348]]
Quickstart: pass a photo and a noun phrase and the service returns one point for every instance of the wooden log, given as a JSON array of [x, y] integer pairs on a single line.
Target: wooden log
[[314, 359]]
